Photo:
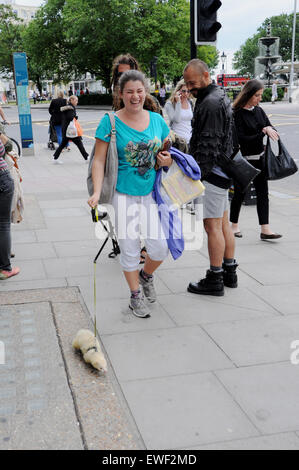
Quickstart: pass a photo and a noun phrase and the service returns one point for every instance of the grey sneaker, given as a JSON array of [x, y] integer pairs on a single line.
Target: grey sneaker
[[139, 307], [148, 288]]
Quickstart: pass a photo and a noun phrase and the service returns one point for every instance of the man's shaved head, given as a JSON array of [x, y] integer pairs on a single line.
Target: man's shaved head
[[196, 76], [199, 66]]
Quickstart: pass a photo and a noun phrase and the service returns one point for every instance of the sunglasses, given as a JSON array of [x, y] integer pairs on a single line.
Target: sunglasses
[[185, 91]]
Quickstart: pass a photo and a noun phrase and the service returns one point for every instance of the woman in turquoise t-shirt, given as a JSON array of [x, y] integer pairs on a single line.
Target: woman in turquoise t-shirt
[[139, 138]]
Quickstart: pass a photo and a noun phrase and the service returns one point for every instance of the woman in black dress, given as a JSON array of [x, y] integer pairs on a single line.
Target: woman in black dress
[[252, 125]]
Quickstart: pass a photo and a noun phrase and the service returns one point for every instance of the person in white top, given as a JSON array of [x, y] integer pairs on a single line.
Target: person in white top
[[180, 111]]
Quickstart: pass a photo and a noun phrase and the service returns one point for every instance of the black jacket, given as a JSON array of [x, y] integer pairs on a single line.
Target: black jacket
[[212, 130], [249, 125], [54, 110], [68, 113]]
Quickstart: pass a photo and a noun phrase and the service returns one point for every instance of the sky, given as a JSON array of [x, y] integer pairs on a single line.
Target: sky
[[239, 18]]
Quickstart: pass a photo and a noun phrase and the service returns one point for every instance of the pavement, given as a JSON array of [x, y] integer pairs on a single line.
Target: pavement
[[200, 373]]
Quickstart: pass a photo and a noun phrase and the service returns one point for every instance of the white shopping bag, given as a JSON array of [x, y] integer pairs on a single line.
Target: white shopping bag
[[71, 131]]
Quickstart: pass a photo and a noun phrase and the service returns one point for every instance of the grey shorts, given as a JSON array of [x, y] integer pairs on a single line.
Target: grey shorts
[[215, 201]]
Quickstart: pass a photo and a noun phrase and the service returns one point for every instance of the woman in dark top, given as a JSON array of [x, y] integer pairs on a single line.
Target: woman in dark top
[[68, 113], [252, 125], [56, 115]]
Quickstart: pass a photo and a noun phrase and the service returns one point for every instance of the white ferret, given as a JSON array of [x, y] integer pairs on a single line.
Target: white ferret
[[91, 349]]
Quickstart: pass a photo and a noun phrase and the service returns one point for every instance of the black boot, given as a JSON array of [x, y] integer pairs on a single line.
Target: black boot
[[212, 284], [230, 278]]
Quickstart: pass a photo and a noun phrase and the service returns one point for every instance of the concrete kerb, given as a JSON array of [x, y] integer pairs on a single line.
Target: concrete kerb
[[104, 419]]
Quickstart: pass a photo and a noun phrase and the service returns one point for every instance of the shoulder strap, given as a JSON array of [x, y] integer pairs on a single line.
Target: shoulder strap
[[112, 122]]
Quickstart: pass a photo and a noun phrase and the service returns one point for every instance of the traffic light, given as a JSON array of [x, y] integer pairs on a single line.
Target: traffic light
[[206, 24]]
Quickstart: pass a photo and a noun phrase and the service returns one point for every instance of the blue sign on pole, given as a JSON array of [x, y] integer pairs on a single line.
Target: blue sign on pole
[[21, 79]]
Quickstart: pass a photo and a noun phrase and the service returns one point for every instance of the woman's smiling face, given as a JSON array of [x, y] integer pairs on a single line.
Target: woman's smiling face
[[133, 95]]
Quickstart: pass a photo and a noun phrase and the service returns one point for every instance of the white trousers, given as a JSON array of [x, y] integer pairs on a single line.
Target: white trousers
[[136, 217]]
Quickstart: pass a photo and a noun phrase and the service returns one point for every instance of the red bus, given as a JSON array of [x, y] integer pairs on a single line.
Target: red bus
[[228, 80]]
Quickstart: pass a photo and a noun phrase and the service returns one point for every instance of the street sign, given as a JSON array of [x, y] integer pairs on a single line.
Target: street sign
[[21, 81]]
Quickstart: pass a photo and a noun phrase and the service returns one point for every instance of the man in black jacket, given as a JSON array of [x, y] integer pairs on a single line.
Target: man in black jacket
[[212, 138]]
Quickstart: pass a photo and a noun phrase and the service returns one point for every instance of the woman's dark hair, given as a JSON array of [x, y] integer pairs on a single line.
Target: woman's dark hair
[[126, 59], [247, 92], [133, 75], [150, 103]]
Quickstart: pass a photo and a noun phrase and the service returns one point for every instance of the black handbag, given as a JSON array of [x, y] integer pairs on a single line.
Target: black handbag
[[240, 170], [278, 166]]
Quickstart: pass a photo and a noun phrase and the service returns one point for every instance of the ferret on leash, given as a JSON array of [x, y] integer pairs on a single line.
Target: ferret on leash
[[90, 347]]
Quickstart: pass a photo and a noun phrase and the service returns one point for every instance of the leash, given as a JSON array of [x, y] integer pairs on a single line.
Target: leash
[[96, 217]]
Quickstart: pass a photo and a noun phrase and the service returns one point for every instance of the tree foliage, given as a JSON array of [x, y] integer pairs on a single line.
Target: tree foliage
[[68, 38], [45, 45], [282, 27], [10, 32]]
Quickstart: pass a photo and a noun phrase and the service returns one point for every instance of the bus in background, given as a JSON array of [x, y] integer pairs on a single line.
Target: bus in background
[[231, 80]]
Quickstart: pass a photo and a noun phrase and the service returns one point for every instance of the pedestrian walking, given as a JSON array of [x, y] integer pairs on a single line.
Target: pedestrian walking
[[252, 125], [212, 137], [274, 92], [67, 116], [56, 115], [2, 115], [6, 196], [139, 136], [179, 109], [162, 95]]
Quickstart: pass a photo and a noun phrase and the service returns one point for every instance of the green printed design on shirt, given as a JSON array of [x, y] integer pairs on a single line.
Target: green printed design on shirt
[[142, 155]]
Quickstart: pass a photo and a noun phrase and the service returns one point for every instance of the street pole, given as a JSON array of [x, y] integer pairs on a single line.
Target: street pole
[[193, 50], [293, 52]]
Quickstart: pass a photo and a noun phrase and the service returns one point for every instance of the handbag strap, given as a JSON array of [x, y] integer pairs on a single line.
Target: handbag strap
[[268, 144], [112, 122]]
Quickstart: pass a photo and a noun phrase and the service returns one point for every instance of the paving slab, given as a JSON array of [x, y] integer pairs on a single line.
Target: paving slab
[[60, 203], [114, 316], [29, 270], [31, 251], [256, 341], [33, 284], [69, 212], [273, 275], [282, 441], [268, 394], [163, 352], [185, 411], [51, 399], [186, 309], [285, 299], [87, 248], [36, 408]]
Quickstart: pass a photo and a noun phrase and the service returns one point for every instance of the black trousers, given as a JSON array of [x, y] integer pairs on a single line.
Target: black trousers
[[77, 141], [6, 195], [262, 197]]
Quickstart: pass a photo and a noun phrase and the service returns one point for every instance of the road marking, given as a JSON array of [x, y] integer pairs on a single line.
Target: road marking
[[286, 124], [284, 115], [88, 137]]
